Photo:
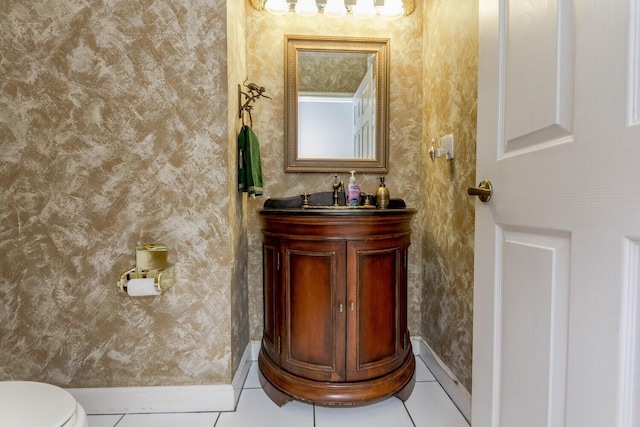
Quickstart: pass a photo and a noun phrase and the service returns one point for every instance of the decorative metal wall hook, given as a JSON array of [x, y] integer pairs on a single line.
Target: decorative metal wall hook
[[254, 92]]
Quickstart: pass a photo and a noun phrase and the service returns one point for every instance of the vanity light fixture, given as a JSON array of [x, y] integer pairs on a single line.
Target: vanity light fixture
[[392, 9], [276, 7], [335, 8], [306, 7], [361, 9], [364, 9]]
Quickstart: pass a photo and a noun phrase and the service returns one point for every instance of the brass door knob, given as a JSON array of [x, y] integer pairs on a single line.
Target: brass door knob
[[483, 191]]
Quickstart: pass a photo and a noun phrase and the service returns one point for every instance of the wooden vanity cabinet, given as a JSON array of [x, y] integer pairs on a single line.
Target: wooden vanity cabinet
[[271, 298], [335, 308]]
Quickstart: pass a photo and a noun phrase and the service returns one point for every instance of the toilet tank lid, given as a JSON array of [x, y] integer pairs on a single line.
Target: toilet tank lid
[[34, 404]]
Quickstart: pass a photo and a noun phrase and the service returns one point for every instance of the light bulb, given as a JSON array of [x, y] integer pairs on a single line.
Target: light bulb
[[392, 9], [277, 7], [306, 7], [335, 8], [364, 9]]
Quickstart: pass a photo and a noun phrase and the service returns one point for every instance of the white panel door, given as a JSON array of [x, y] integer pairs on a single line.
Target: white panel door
[[557, 247], [364, 117]]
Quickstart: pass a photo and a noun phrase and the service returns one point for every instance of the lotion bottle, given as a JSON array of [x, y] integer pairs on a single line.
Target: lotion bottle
[[382, 195], [353, 191]]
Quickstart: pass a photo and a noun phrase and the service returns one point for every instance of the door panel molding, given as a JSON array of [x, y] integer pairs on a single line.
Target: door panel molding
[[531, 338], [630, 334], [538, 75], [634, 64], [270, 297], [312, 325]]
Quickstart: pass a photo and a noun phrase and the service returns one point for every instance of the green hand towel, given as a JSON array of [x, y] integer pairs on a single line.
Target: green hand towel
[[249, 166]]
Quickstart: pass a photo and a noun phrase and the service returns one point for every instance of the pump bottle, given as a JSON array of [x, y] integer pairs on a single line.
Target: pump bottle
[[353, 191], [382, 195]]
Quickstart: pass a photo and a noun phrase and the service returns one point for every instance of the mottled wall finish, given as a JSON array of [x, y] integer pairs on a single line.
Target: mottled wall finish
[[265, 65], [450, 92], [347, 71], [113, 133], [236, 58]]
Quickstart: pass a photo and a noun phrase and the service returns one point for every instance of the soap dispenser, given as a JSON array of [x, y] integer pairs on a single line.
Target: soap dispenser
[[382, 195], [353, 191]]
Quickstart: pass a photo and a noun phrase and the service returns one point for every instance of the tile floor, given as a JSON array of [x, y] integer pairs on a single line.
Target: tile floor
[[428, 406]]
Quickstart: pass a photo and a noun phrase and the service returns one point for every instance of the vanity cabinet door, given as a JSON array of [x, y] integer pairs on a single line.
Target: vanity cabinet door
[[376, 323], [272, 297], [313, 341]]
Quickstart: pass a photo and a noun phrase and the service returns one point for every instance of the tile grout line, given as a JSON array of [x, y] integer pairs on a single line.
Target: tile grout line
[[409, 414], [314, 407], [120, 419]]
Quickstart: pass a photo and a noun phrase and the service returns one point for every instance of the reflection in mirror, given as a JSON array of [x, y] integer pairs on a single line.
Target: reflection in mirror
[[344, 97], [336, 92]]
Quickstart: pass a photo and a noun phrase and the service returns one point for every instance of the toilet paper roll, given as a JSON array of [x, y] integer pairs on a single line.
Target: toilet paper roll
[[142, 287]]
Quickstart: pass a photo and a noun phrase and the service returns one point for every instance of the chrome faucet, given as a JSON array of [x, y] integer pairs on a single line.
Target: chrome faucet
[[337, 187]]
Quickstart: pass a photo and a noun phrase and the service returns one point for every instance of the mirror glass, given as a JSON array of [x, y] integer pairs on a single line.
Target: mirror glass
[[336, 104]]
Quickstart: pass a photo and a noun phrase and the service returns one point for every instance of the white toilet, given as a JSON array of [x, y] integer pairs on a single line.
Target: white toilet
[[33, 404]]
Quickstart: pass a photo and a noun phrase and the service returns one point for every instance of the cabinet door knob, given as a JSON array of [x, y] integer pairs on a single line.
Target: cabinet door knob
[[351, 306], [340, 308]]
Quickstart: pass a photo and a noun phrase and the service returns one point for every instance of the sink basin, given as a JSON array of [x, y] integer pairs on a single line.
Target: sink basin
[[324, 201], [337, 207], [324, 198]]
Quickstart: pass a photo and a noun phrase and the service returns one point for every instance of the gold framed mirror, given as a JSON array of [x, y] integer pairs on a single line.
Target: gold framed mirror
[[336, 104]]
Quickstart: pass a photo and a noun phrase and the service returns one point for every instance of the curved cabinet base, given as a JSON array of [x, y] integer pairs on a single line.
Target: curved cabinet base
[[282, 387]]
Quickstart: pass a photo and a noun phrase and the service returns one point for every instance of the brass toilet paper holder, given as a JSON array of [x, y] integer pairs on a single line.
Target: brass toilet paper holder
[[151, 262]]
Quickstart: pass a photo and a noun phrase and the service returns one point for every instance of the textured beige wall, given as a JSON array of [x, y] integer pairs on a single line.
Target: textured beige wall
[[265, 65], [236, 58], [111, 134], [347, 71], [450, 67]]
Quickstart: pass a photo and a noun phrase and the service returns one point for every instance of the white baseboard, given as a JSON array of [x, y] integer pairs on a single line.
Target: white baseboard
[[224, 397], [190, 398], [255, 349], [456, 391]]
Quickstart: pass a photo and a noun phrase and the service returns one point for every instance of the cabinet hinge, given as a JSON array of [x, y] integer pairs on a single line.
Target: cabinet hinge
[[279, 345], [278, 261], [404, 340], [405, 261]]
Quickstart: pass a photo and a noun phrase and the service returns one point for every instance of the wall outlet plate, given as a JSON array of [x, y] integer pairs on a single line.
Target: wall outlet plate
[[447, 145]]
